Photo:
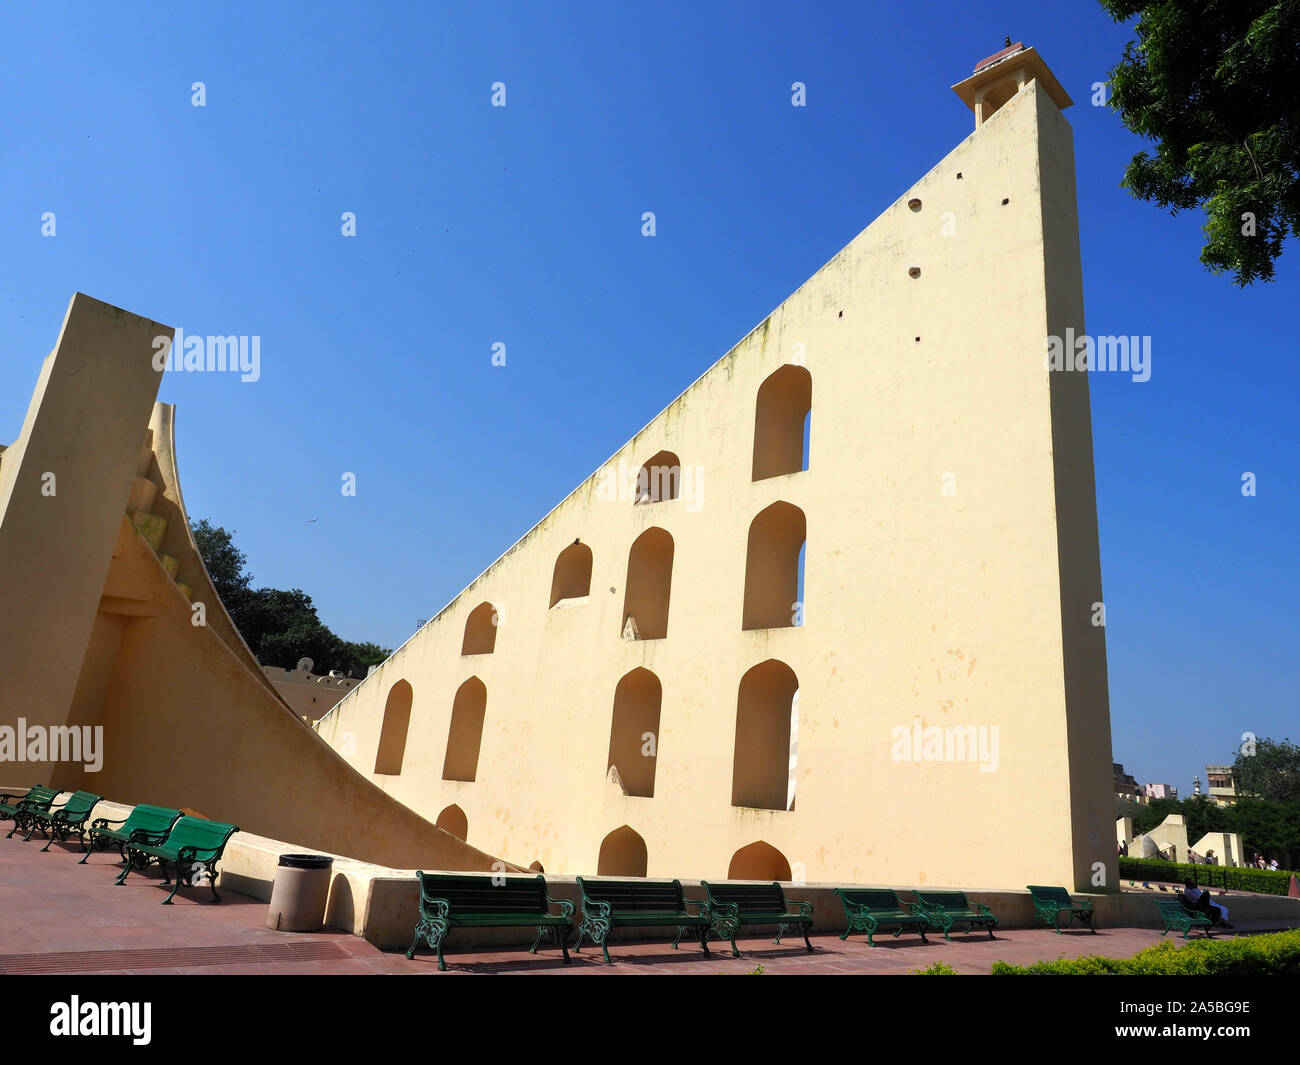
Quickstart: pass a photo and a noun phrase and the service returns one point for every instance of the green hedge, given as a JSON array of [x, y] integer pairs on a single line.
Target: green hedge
[[1228, 877], [939, 968], [1271, 955]]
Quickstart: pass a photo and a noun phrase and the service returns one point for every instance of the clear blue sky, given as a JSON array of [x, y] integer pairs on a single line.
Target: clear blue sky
[[522, 225]]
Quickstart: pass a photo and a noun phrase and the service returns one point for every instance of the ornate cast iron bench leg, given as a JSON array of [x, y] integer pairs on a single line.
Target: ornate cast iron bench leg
[[597, 930], [175, 887], [433, 931], [724, 928], [558, 934], [783, 929]]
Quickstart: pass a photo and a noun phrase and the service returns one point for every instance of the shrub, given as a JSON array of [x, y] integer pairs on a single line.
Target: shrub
[[1271, 955], [1228, 877], [937, 969]]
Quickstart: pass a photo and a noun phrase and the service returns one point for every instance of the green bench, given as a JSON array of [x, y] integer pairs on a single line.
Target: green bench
[[1180, 917], [732, 906], [448, 902], [142, 822], [871, 909], [193, 845], [21, 807], [61, 820], [609, 904], [944, 909], [1051, 902]]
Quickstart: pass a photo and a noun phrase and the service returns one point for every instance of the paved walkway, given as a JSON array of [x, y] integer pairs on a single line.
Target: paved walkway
[[60, 917]]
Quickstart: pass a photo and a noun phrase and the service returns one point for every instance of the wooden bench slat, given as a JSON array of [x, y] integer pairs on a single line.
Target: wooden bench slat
[[944, 909], [60, 820], [869, 909], [607, 904], [1050, 902], [467, 901], [22, 808], [1178, 916], [732, 906], [193, 845]]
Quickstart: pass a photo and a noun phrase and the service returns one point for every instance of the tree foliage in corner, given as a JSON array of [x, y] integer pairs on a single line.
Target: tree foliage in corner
[[1216, 84], [1272, 771], [280, 627]]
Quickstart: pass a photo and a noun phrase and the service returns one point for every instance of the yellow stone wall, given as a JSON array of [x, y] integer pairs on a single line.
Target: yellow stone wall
[[951, 564]]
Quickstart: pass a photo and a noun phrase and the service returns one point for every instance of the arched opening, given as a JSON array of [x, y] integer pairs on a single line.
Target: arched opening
[[761, 766], [634, 732], [466, 732], [392, 733], [794, 751], [572, 577], [622, 853], [453, 820], [480, 631], [537, 867], [649, 585], [774, 568], [759, 861], [784, 405], [660, 479]]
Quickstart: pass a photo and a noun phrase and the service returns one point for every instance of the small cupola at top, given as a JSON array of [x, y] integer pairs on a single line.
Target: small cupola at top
[[999, 77]]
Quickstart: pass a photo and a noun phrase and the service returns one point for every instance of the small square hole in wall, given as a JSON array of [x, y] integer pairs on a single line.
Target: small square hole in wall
[[958, 175], [914, 272], [914, 204], [1006, 201]]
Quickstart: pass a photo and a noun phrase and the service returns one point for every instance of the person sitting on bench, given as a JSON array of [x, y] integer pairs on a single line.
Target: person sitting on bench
[[1199, 899]]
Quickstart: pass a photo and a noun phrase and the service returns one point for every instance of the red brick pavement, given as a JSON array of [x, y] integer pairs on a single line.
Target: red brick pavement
[[62, 917]]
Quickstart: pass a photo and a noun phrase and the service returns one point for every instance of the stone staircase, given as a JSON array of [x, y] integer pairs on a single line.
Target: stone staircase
[[139, 508]]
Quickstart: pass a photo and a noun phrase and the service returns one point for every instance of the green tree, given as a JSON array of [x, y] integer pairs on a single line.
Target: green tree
[[282, 626], [359, 657], [1213, 83], [1272, 771], [225, 563], [1267, 826]]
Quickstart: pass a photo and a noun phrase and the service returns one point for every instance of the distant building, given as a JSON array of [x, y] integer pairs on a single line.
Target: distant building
[[1222, 787], [309, 696], [1160, 791], [1127, 789]]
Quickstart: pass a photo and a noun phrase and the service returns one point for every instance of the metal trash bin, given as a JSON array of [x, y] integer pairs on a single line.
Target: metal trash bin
[[302, 887]]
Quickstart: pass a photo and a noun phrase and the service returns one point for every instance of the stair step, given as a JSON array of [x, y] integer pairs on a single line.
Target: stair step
[[143, 493], [151, 527]]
